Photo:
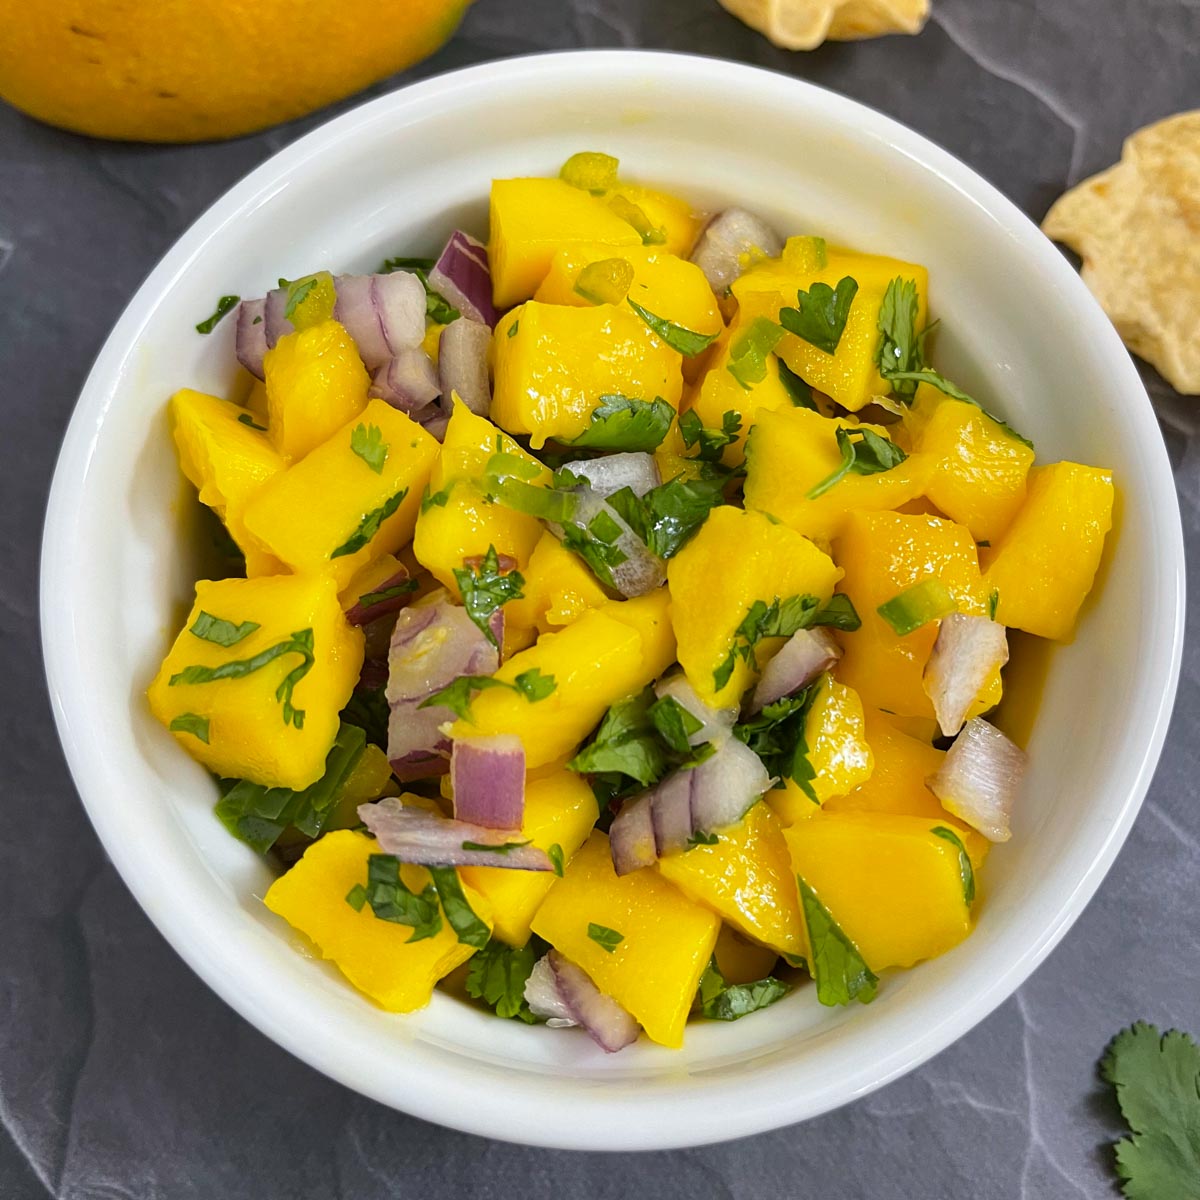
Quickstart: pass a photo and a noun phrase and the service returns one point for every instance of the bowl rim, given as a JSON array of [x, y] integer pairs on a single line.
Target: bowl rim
[[452, 1099]]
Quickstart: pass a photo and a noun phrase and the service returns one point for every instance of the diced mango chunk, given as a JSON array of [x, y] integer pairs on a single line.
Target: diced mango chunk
[[746, 878], [560, 810], [250, 722], [608, 654], [457, 520], [1043, 567], [531, 219], [894, 887], [851, 374], [672, 215], [977, 468], [740, 960], [737, 558], [316, 382], [553, 363], [375, 956], [333, 512], [558, 589], [666, 939], [882, 555], [667, 286], [838, 753], [792, 450]]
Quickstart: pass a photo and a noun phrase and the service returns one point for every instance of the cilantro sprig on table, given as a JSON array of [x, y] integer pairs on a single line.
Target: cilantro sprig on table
[[1157, 1081]]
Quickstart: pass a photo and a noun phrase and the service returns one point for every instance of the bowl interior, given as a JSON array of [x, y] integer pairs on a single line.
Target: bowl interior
[[1018, 331]]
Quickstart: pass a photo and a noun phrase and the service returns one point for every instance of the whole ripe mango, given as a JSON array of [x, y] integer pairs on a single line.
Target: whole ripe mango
[[665, 941], [375, 955], [166, 71]]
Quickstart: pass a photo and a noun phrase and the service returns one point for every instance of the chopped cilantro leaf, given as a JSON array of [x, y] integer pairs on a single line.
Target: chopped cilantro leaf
[[839, 613], [225, 305], [778, 736], [799, 391], [667, 516], [461, 916], [863, 453], [220, 631], [721, 1001], [686, 341], [965, 869], [607, 939], [370, 599], [533, 685], [367, 442], [675, 724], [497, 975], [493, 848], [993, 603], [821, 313], [368, 527], [626, 743], [838, 968], [622, 423], [600, 555], [392, 900], [780, 618], [555, 854], [247, 419], [436, 499], [485, 589], [899, 347], [711, 442], [457, 695], [191, 723], [701, 838]]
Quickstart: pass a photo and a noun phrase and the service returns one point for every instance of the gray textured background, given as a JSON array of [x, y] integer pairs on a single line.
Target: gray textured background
[[122, 1076]]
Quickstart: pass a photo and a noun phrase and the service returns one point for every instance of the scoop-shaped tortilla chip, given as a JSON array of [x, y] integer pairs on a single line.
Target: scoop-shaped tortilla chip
[[1137, 228], [805, 24]]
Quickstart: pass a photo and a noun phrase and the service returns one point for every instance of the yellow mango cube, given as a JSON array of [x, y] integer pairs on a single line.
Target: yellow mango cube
[[792, 450], [894, 887], [666, 939], [560, 810], [740, 960], [671, 214], [838, 752], [333, 512], [851, 374], [558, 589], [530, 220], [737, 558], [669, 287], [978, 469], [273, 716], [228, 458], [375, 956], [608, 654], [1043, 567], [882, 555], [457, 521], [554, 362], [746, 879], [316, 382]]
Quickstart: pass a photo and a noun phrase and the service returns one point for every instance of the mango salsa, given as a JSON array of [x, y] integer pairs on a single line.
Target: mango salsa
[[376, 956], [665, 940], [558, 589], [254, 683]]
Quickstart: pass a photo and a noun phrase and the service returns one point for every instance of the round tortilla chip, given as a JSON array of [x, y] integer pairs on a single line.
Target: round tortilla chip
[[805, 24], [1136, 227]]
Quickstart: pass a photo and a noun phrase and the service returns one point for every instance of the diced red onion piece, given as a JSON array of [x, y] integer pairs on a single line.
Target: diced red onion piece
[[384, 314], [726, 786], [358, 614], [715, 724], [631, 840], [276, 325], [251, 340], [544, 998], [979, 779], [612, 472], [436, 425], [641, 571], [799, 661], [463, 364], [415, 835], [407, 381], [488, 778], [729, 238], [967, 653], [463, 278], [609, 1025], [671, 812], [432, 645]]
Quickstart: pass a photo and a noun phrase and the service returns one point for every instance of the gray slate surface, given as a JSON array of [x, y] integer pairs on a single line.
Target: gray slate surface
[[122, 1076]]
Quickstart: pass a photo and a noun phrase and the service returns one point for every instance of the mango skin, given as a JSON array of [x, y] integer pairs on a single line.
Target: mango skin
[[308, 511], [837, 751], [228, 461], [882, 554], [529, 220], [247, 735], [736, 558], [560, 809], [1043, 567], [667, 286], [667, 940], [558, 589], [316, 382], [791, 450], [894, 887], [468, 524], [554, 362], [608, 654], [375, 956], [851, 374], [746, 879]]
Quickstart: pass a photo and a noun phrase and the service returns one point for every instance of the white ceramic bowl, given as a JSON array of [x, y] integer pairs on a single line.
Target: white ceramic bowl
[[393, 177]]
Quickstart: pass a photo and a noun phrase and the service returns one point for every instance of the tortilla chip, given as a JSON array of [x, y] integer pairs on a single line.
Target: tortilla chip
[[805, 24], [1137, 228]]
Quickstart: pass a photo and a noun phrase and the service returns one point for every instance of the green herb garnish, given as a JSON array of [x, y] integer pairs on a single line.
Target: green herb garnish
[[778, 735], [533, 685], [225, 305], [621, 423], [721, 1001], [607, 939], [191, 723], [863, 453], [686, 341], [497, 975], [667, 516], [367, 442], [711, 442], [701, 838], [220, 631], [748, 355], [821, 313], [368, 527], [600, 555], [554, 853], [838, 968], [247, 419], [370, 599], [780, 618], [965, 870], [492, 848], [839, 613], [993, 603], [635, 215], [436, 499], [799, 391], [459, 913], [392, 900], [485, 588], [675, 724]]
